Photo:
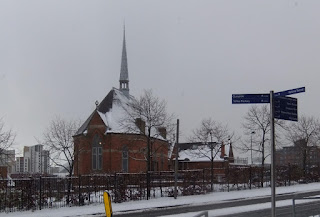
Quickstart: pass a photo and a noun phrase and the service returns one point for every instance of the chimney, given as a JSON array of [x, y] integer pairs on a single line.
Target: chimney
[[141, 125], [222, 151], [163, 132], [231, 158]]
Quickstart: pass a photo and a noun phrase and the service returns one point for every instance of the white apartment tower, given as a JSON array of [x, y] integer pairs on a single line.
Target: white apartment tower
[[22, 164], [36, 160]]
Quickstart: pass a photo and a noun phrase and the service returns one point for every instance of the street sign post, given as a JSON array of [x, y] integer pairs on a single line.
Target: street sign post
[[273, 157], [281, 107]]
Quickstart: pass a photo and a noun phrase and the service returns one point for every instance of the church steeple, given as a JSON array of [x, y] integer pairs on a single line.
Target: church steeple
[[124, 75]]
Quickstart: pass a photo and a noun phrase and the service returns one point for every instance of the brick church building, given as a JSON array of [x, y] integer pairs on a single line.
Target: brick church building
[[102, 145]]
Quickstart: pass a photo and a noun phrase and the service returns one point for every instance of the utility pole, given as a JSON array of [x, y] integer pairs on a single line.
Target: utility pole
[[176, 163]]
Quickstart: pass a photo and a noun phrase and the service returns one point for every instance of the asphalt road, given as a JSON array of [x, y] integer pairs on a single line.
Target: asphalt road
[[302, 210], [281, 211]]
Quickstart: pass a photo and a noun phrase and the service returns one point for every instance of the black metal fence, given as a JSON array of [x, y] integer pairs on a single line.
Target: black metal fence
[[49, 192]]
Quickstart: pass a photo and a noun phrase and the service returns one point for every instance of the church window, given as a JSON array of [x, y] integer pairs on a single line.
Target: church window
[[162, 161], [97, 153], [125, 161]]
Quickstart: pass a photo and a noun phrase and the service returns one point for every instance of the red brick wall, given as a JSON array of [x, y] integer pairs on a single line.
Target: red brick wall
[[112, 145], [3, 172]]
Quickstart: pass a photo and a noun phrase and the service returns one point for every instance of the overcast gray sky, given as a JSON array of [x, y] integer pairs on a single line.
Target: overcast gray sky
[[59, 57]]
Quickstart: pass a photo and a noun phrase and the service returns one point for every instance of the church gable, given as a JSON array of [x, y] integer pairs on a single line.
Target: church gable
[[116, 106], [109, 111], [96, 123]]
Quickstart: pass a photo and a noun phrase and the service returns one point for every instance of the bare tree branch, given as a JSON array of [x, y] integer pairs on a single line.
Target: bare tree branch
[[153, 113], [59, 141], [7, 138], [210, 134], [146, 116]]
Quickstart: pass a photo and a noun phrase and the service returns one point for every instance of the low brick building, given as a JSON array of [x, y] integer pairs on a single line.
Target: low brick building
[[299, 154], [198, 156], [100, 149]]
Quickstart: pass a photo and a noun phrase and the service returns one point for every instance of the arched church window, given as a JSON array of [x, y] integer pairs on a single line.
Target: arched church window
[[125, 159], [162, 161], [97, 153]]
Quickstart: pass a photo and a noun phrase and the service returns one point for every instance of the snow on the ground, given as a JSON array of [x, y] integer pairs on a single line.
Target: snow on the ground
[[214, 197]]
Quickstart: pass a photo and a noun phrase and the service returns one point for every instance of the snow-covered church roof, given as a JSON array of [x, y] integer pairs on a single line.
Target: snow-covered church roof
[[111, 110], [115, 112]]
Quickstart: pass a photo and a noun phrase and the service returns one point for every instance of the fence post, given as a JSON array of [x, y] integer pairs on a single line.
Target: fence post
[[115, 187], [275, 177], [289, 176], [79, 190], [5, 198], [22, 196], [250, 175], [40, 199], [203, 187], [160, 178], [228, 169], [152, 178]]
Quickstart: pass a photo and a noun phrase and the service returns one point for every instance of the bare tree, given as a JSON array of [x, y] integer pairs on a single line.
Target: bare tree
[[59, 141], [304, 133], [7, 138], [211, 134], [256, 127], [147, 116]]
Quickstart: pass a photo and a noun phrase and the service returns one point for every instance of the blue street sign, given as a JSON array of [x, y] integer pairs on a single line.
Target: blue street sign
[[286, 108], [289, 92], [250, 98]]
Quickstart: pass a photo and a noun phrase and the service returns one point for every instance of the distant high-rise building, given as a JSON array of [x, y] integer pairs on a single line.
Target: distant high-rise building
[[35, 159], [22, 164]]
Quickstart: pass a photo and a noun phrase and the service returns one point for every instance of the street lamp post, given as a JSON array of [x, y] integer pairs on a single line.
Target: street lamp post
[[251, 146], [176, 164], [212, 145], [211, 149]]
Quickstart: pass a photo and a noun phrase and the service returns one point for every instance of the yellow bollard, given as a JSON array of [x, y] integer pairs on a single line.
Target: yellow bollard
[[107, 204]]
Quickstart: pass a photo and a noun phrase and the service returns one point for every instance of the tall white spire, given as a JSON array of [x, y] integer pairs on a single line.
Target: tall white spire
[[124, 75]]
